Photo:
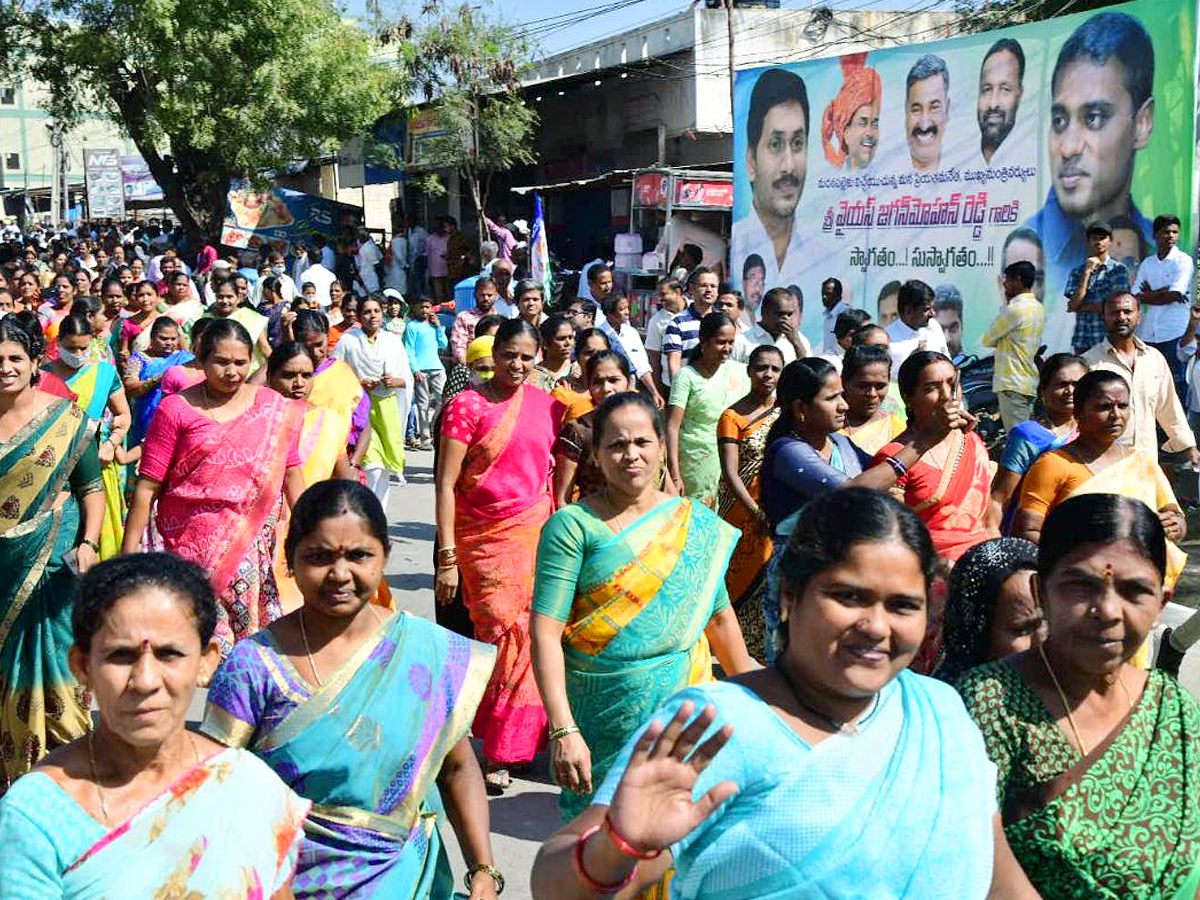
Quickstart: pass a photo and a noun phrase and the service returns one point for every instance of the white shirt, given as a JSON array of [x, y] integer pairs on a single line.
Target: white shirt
[[368, 255], [417, 236], [372, 359], [328, 257], [757, 336], [584, 290], [321, 279], [906, 341], [630, 342], [1168, 322], [830, 343], [656, 330]]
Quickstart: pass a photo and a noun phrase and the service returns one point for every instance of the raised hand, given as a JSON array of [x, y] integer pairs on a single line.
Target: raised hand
[[653, 806]]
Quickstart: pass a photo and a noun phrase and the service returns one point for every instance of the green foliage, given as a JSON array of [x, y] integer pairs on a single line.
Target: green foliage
[[208, 89], [982, 16], [469, 66]]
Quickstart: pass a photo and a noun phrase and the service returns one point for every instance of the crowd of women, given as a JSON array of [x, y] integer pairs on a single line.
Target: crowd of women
[[792, 638]]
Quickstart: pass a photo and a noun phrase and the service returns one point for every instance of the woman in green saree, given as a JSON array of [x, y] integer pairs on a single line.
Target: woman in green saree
[[363, 712], [1096, 759], [629, 595], [51, 508]]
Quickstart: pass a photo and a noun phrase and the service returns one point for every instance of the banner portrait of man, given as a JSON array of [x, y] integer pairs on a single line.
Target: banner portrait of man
[[850, 126]]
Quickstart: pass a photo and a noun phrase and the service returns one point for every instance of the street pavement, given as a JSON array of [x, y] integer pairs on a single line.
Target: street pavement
[[528, 813]]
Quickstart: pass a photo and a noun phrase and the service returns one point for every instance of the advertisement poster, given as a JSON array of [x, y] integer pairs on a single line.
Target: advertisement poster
[[139, 183], [946, 161], [102, 173], [255, 217]]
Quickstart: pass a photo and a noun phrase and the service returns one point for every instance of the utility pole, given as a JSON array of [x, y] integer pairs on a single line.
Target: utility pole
[[55, 171], [729, 36]]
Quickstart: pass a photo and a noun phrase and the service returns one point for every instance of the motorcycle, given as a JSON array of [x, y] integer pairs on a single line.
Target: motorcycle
[[975, 377]]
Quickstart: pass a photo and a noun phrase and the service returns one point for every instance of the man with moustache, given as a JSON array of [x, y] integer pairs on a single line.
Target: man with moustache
[[777, 127], [1001, 85], [926, 110], [1102, 113], [850, 126]]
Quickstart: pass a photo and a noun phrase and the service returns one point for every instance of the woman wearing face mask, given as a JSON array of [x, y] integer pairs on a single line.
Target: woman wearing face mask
[[145, 371], [835, 772], [93, 310], [380, 361], [742, 440], [1096, 759], [219, 459], [991, 612], [1051, 428], [140, 785], [700, 392], [99, 394], [50, 523], [576, 472], [558, 339], [493, 497], [872, 419], [611, 645], [298, 694]]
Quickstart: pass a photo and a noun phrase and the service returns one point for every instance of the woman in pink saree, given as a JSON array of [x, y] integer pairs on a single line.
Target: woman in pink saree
[[217, 459], [493, 497]]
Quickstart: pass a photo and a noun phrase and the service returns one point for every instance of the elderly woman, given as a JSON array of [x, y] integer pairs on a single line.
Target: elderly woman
[[991, 611], [198, 819], [835, 772], [1096, 759]]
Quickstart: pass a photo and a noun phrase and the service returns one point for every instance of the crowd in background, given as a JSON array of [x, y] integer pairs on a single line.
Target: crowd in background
[[930, 660]]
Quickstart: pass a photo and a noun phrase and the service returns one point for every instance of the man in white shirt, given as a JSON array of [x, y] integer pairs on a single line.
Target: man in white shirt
[[625, 340], [916, 328], [780, 327], [831, 299], [320, 277], [368, 256], [417, 236], [1163, 285], [670, 304]]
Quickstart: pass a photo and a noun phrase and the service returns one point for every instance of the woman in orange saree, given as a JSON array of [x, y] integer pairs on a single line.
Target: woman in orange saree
[[217, 458], [742, 442], [493, 497]]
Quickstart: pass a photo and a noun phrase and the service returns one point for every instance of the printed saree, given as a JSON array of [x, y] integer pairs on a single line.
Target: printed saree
[[871, 436], [366, 748], [220, 500], [41, 705], [635, 632], [93, 385], [144, 368], [1122, 822], [746, 578], [227, 829]]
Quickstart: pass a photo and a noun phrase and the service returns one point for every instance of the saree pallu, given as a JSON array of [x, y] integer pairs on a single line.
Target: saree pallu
[[227, 829], [336, 388], [220, 502], [366, 748], [636, 632], [872, 436], [255, 324], [746, 578], [1122, 823], [147, 367], [41, 704], [496, 560], [93, 385]]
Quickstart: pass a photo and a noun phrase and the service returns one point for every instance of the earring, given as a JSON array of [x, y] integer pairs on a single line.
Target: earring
[[783, 614]]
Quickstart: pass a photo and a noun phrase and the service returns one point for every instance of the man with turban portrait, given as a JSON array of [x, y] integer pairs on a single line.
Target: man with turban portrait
[[850, 126]]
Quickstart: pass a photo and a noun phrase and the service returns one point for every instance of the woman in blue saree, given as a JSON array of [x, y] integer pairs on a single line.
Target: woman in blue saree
[[833, 773], [47, 453], [629, 594], [363, 712], [145, 370]]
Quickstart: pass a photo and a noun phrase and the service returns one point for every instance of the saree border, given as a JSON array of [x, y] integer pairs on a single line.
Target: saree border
[[31, 580], [948, 472], [33, 424]]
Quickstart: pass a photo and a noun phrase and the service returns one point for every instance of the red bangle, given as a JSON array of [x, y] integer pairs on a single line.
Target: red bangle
[[623, 845], [597, 886]]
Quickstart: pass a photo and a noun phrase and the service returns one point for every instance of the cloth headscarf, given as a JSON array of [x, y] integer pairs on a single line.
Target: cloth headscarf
[[480, 347], [974, 587], [860, 86]]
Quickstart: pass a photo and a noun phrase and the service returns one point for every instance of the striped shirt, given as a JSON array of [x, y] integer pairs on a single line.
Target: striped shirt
[[683, 334]]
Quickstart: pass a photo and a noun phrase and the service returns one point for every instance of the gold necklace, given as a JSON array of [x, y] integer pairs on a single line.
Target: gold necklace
[[96, 777], [1066, 706], [308, 652]]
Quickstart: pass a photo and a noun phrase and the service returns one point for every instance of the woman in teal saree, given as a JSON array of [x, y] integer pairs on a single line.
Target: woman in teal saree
[[364, 713], [49, 472], [629, 593]]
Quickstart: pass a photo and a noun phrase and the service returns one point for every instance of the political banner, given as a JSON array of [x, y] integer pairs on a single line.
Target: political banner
[[102, 174], [139, 184], [254, 217], [946, 161]]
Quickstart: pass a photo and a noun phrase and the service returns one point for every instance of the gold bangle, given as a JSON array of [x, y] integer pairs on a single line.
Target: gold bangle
[[490, 870], [447, 552], [559, 733]]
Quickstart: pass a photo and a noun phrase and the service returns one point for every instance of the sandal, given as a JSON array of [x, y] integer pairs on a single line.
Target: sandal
[[497, 781]]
